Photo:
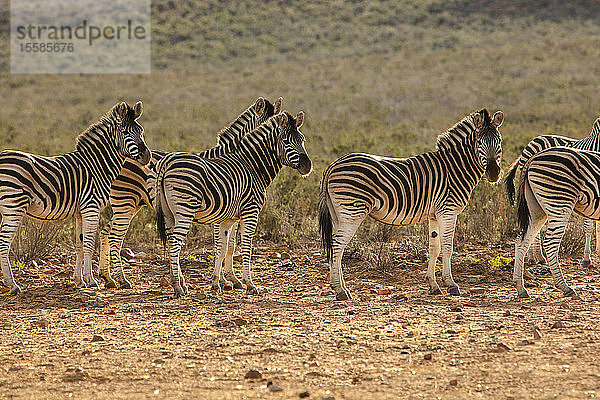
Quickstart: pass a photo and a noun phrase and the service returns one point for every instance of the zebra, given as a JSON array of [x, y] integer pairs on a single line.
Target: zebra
[[224, 190], [592, 143], [134, 189], [434, 186], [554, 183], [73, 184]]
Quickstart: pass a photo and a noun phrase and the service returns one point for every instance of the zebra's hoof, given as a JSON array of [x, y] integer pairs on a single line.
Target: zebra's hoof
[[252, 290], [92, 284], [15, 290], [125, 284], [570, 293], [343, 296], [454, 290], [237, 284], [180, 292], [226, 285], [586, 263], [109, 283], [434, 291], [523, 294]]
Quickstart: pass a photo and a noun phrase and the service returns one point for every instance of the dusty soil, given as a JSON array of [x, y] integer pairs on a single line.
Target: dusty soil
[[57, 341]]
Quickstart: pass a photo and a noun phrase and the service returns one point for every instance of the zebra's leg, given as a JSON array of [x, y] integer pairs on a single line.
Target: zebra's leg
[[554, 235], [447, 224], [597, 238], [434, 252], [221, 235], [247, 228], [104, 266], [228, 262], [588, 227], [535, 254], [11, 219], [522, 246], [343, 232], [77, 273], [89, 229], [119, 226], [175, 237]]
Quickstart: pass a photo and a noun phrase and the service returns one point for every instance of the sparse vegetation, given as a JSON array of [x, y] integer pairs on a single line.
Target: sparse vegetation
[[384, 77]]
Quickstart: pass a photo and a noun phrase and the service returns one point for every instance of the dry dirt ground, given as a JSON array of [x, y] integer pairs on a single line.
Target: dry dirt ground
[[57, 341]]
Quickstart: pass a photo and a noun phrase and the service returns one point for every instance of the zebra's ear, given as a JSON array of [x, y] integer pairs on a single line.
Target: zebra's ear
[[299, 119], [122, 110], [259, 105], [282, 119], [498, 119], [278, 106], [138, 109], [477, 120]]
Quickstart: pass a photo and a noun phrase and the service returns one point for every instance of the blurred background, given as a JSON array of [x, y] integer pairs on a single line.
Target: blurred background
[[382, 77]]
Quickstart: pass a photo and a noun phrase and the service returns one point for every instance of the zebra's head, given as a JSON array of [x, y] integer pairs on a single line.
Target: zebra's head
[[265, 109], [130, 134], [488, 142], [290, 143]]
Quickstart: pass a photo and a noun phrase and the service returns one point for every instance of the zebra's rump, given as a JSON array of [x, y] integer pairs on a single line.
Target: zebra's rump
[[392, 190], [565, 176], [47, 186]]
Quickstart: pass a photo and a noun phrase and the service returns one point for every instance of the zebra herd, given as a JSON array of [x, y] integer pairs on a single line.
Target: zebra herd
[[226, 186]]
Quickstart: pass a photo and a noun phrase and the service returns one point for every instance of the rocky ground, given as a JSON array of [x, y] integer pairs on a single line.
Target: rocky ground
[[295, 341]]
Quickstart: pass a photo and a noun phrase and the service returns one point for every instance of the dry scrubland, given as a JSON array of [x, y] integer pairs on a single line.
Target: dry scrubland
[[384, 77]]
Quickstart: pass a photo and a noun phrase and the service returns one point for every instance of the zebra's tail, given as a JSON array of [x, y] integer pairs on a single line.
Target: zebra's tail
[[509, 181], [325, 223], [523, 214], [161, 202]]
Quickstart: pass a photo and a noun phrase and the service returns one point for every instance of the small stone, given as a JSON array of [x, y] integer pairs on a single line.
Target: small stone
[[526, 342], [507, 313], [453, 382], [456, 309], [428, 356], [274, 388], [501, 348], [240, 321], [327, 293], [285, 256], [477, 290], [253, 374], [356, 380], [42, 323], [276, 255], [97, 338], [303, 395], [558, 325], [537, 335], [164, 282], [384, 291]]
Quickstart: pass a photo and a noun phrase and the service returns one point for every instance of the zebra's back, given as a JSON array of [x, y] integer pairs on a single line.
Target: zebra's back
[[392, 190], [51, 185]]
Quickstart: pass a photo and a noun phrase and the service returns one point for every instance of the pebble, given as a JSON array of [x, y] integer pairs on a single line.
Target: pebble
[[42, 323], [97, 338], [477, 290], [274, 388], [428, 356], [303, 395], [501, 348], [453, 382], [253, 374], [456, 309], [558, 325]]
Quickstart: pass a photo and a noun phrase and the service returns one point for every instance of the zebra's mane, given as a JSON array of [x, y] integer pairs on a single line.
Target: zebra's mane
[[595, 128], [460, 132], [228, 134], [98, 128]]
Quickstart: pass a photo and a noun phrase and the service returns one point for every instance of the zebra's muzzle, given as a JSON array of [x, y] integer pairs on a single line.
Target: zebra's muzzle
[[492, 171], [304, 165], [145, 156]]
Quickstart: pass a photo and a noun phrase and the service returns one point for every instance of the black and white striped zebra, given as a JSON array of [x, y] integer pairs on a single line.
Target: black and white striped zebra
[[73, 184], [554, 183], [224, 190], [434, 186], [592, 143], [135, 186]]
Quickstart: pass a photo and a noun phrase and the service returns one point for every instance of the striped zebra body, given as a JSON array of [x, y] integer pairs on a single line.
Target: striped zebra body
[[434, 186], [224, 190], [591, 143], [135, 186], [74, 184], [554, 183]]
